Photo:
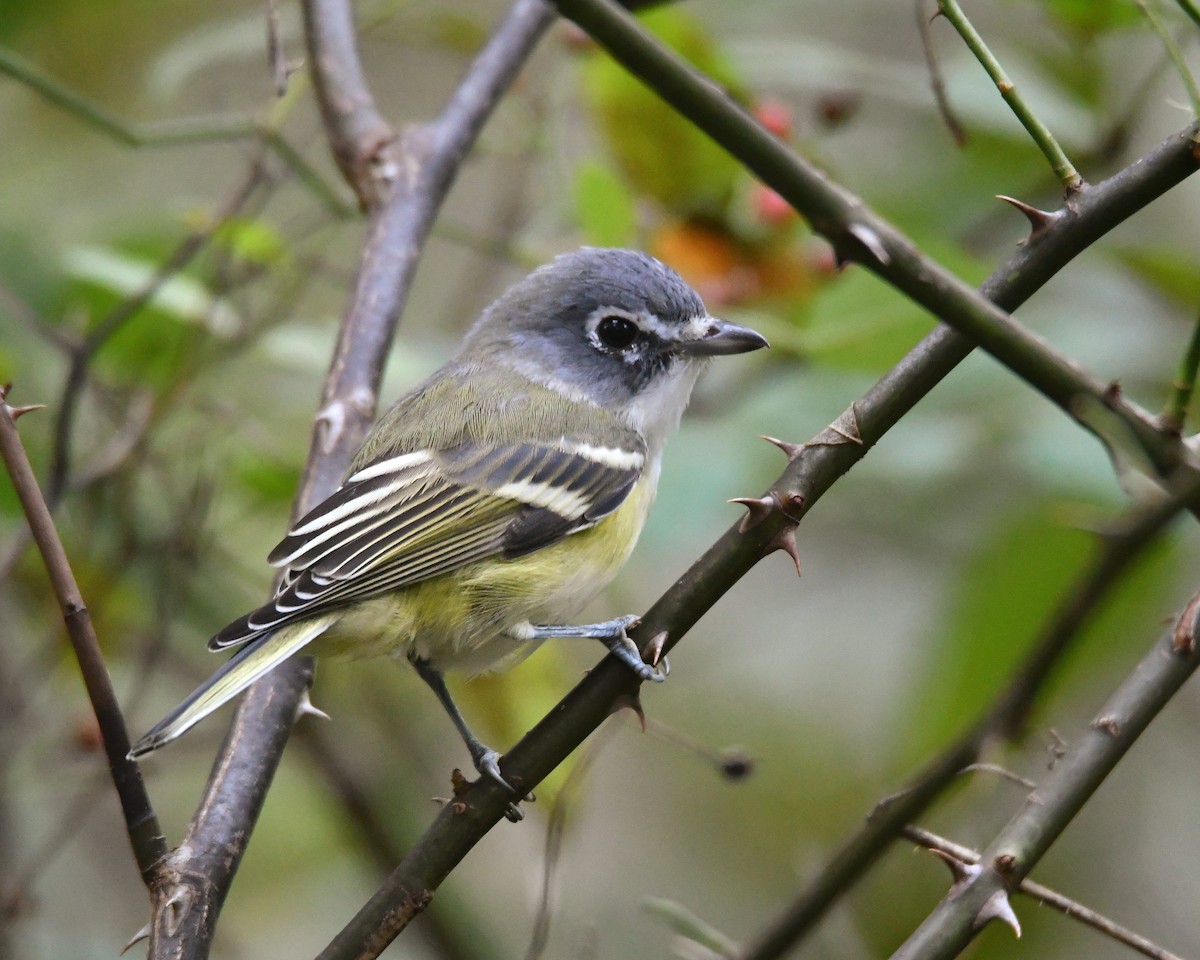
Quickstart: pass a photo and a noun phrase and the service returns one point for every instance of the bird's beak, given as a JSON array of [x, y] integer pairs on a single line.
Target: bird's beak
[[720, 337]]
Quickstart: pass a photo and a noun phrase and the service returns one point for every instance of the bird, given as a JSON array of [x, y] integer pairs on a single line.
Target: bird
[[492, 501]]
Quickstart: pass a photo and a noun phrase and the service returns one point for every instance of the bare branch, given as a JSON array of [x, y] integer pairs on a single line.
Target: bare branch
[[937, 82], [141, 823], [814, 469], [362, 141]]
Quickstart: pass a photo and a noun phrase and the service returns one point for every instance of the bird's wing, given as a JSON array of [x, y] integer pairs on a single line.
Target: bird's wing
[[409, 517]]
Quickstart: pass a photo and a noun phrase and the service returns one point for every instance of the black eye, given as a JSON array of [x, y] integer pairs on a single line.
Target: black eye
[[616, 332]]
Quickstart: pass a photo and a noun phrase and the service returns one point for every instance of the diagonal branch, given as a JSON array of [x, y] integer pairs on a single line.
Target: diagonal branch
[[1047, 812], [141, 823], [463, 823], [187, 903], [859, 234]]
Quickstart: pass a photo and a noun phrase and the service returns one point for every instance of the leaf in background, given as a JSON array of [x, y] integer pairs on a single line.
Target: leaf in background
[[158, 340], [1007, 591], [1092, 17], [1170, 271], [662, 154], [606, 210], [254, 241]]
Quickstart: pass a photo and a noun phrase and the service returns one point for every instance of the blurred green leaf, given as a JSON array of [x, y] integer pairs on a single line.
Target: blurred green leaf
[[180, 296], [269, 482], [1092, 17], [606, 209], [1170, 271], [1008, 589], [662, 154], [255, 241]]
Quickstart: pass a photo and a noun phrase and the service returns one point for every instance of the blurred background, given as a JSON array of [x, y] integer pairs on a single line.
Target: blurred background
[[927, 570]]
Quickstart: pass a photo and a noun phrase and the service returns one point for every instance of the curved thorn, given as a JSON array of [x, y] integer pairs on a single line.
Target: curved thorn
[[790, 450], [1039, 220], [759, 509], [871, 240], [998, 907], [785, 540]]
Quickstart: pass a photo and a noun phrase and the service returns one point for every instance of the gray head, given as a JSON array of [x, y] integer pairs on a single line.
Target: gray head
[[612, 326]]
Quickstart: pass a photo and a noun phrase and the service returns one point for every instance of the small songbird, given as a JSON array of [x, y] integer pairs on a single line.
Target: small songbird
[[496, 498]]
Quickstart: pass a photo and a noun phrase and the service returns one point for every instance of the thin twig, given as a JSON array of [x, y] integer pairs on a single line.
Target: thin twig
[[937, 82], [1062, 167], [110, 324], [1174, 53], [1019, 846], [169, 133], [1043, 894], [1190, 8], [1183, 386], [141, 823]]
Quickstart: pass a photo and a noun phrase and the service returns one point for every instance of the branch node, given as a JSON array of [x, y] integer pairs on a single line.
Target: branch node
[[759, 509], [962, 872], [998, 907], [1183, 638], [18, 412], [1108, 723], [843, 430], [631, 701], [652, 653]]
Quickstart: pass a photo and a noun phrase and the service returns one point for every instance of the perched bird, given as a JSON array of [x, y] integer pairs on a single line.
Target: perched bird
[[492, 501]]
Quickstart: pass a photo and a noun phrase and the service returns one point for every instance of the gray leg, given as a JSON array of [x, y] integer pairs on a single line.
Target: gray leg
[[486, 760], [612, 634]]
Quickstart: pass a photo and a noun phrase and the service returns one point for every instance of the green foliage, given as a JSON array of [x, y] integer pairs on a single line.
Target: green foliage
[[1090, 18], [1006, 593], [604, 206], [662, 154]]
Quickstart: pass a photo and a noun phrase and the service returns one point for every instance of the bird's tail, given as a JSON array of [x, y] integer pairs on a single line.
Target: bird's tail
[[251, 663]]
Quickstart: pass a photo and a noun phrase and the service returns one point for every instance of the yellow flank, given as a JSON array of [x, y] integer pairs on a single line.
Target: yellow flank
[[464, 620]]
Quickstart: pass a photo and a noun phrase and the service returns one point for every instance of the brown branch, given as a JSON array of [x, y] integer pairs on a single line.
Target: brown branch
[[937, 82], [186, 906], [1019, 846], [1045, 895], [141, 823], [362, 142]]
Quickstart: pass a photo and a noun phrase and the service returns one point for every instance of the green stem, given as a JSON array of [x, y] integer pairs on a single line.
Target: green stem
[[1183, 386], [1063, 169], [1173, 51], [172, 132]]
